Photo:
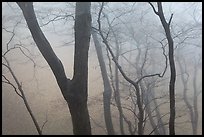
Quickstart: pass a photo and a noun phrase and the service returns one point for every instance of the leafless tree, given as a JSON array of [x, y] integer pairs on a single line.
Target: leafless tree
[[134, 83], [107, 87], [74, 90], [192, 107], [18, 86], [166, 26]]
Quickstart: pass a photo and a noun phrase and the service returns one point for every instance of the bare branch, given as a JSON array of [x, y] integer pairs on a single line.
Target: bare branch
[[44, 123], [57, 18], [153, 8], [8, 82], [23, 96], [13, 34], [170, 19]]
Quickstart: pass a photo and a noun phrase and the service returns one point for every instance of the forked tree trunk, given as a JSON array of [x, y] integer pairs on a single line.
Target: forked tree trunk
[[166, 27], [75, 90]]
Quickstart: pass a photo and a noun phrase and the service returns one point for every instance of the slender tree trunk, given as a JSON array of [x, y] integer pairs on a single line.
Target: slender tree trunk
[[185, 88], [117, 92], [141, 111], [147, 98], [135, 84], [172, 68], [160, 122], [75, 90], [195, 102], [107, 87]]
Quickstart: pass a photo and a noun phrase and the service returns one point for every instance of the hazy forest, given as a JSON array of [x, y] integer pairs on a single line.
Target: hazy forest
[[101, 68]]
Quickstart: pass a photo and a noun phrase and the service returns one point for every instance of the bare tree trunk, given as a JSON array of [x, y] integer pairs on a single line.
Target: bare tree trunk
[[135, 84], [195, 102], [166, 27], [107, 87], [160, 122], [78, 103], [75, 90], [185, 88], [117, 92], [172, 69], [147, 98]]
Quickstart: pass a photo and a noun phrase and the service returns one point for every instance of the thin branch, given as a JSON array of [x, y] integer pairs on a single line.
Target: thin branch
[[23, 96], [153, 8], [8, 82], [57, 18], [170, 19], [13, 33], [44, 123]]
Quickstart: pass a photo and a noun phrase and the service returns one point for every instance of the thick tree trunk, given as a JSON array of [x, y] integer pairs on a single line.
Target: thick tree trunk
[[107, 87], [78, 87], [75, 90]]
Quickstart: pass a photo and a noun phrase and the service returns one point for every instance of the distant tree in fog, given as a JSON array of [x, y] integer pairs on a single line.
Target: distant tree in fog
[[18, 86], [107, 87], [135, 84]]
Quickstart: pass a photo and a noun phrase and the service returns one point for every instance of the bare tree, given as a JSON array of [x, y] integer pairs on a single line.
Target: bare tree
[[195, 99], [116, 87], [166, 26], [18, 86], [193, 108], [21, 94], [107, 87], [74, 90], [135, 84]]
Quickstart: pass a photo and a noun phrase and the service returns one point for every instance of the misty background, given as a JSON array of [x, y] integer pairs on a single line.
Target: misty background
[[138, 19]]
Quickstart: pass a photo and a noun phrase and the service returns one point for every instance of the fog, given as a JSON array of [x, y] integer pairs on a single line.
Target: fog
[[40, 86]]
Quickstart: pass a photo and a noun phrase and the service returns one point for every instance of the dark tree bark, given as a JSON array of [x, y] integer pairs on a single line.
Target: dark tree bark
[[172, 69], [107, 87], [166, 26], [78, 102], [75, 90]]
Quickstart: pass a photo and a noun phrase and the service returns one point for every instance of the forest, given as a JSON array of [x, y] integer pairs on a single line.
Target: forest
[[101, 68]]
